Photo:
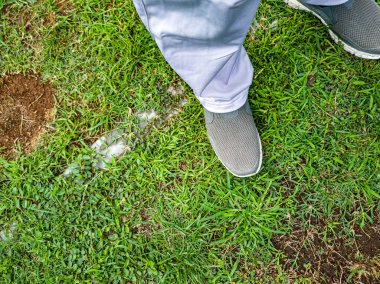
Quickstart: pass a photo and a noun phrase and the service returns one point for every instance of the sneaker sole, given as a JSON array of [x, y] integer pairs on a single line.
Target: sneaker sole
[[298, 5]]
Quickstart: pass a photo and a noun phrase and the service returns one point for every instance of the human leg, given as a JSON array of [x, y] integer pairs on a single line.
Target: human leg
[[202, 40]]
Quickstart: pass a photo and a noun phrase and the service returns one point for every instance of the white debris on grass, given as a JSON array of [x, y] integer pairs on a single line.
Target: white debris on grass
[[183, 102], [110, 146], [115, 144], [252, 29], [145, 118], [273, 25], [255, 25], [176, 89], [175, 111], [69, 170], [7, 233], [170, 115]]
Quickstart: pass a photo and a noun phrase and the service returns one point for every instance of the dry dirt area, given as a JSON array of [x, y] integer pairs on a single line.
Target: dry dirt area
[[333, 258], [26, 106]]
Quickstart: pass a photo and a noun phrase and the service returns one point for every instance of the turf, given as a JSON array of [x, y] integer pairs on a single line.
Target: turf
[[168, 211]]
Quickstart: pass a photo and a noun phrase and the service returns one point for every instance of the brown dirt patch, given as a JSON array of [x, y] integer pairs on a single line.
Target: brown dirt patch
[[26, 106], [333, 258]]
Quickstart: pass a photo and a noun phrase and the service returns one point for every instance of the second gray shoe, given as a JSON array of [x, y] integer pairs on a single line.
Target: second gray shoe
[[235, 140], [356, 24]]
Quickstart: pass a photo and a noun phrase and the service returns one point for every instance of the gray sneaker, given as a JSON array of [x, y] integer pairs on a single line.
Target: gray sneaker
[[355, 23], [235, 140]]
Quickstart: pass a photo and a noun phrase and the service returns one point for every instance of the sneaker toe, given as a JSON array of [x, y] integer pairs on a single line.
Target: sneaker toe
[[236, 142]]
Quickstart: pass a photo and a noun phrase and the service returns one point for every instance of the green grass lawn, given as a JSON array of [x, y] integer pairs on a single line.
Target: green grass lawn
[[168, 211]]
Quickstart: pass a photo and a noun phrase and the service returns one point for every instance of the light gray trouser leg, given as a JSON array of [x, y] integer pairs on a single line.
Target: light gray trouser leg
[[202, 40]]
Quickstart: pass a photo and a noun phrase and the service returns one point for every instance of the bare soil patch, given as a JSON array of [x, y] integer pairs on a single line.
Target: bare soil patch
[[333, 258], [26, 106]]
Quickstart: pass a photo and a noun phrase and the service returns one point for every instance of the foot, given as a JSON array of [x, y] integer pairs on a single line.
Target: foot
[[355, 23], [235, 140]]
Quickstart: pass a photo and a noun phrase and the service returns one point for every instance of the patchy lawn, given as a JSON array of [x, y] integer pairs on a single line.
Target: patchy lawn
[[168, 211]]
